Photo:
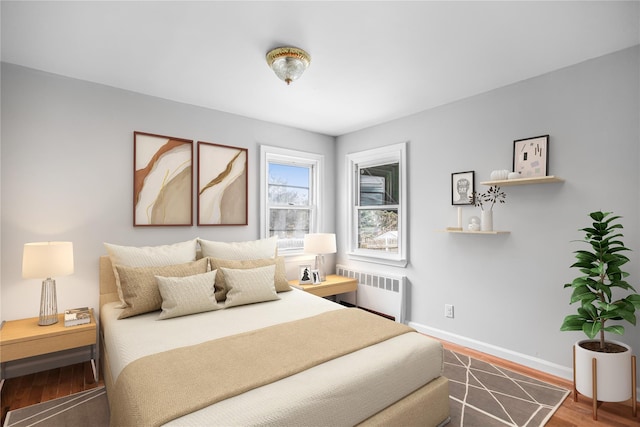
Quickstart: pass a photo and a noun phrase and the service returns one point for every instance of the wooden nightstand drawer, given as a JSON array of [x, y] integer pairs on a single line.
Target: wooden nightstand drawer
[[25, 338]]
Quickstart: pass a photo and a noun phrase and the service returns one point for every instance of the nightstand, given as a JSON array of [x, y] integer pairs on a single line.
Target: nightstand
[[334, 285], [24, 338]]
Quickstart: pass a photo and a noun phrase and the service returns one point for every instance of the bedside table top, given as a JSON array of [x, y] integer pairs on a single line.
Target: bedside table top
[[332, 286], [15, 331]]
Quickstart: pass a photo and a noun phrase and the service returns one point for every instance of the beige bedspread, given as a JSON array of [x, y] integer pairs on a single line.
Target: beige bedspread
[[159, 388]]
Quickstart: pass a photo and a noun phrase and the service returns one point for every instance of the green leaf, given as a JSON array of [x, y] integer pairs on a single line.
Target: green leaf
[[590, 311], [614, 329], [591, 329], [605, 291], [629, 316], [583, 294], [583, 264], [635, 300], [621, 284], [572, 323]]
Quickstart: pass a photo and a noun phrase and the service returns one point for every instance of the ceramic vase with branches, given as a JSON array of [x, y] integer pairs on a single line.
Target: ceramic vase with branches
[[486, 201]]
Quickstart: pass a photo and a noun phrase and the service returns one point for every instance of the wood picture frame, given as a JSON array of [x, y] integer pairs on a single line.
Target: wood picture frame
[[162, 180], [222, 184], [462, 188], [531, 156]]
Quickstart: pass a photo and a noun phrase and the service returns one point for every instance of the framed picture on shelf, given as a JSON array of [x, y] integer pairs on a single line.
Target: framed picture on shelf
[[305, 276], [531, 156], [315, 274], [462, 188]]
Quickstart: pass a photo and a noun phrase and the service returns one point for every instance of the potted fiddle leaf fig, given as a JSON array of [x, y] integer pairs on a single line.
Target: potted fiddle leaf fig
[[604, 297]]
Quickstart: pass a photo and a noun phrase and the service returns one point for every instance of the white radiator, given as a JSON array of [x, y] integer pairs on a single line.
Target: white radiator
[[380, 292]]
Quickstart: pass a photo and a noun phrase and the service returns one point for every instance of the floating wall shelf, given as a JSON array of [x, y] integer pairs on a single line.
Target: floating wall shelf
[[476, 232], [524, 181], [507, 183]]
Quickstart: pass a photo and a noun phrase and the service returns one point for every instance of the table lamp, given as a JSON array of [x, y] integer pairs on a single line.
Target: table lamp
[[44, 260], [320, 244]]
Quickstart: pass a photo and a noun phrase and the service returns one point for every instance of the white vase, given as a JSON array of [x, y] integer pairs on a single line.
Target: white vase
[[486, 220], [613, 373]]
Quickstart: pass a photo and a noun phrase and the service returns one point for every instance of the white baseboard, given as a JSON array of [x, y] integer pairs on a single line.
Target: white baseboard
[[565, 372]]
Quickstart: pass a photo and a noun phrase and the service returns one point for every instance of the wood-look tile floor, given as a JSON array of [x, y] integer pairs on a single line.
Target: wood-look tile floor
[[30, 389], [34, 388]]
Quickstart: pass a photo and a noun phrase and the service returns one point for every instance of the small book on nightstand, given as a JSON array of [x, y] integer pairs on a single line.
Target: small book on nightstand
[[77, 316]]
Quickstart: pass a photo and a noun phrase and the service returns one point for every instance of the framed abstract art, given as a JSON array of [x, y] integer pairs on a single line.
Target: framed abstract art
[[162, 180], [222, 184]]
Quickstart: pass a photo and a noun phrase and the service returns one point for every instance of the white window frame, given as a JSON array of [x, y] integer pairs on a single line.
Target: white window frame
[[286, 156], [374, 157]]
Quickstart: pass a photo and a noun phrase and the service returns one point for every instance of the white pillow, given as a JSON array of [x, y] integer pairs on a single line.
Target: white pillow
[[254, 249], [187, 295], [250, 285], [149, 256]]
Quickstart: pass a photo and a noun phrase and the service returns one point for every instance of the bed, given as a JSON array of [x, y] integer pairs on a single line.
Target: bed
[[393, 379]]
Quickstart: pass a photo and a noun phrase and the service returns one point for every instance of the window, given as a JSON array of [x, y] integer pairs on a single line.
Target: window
[[377, 224], [290, 196]]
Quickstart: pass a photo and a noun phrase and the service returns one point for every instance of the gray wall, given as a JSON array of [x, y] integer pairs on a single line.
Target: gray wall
[[508, 289], [67, 174]]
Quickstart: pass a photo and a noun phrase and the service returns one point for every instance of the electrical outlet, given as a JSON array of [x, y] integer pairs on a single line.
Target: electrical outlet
[[448, 310]]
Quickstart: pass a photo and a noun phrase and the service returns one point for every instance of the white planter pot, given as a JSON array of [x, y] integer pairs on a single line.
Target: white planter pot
[[613, 373]]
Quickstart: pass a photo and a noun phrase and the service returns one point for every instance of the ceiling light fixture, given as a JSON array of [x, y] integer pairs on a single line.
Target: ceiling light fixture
[[288, 62]]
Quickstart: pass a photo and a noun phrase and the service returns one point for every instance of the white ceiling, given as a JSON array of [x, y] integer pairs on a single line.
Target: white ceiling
[[372, 61]]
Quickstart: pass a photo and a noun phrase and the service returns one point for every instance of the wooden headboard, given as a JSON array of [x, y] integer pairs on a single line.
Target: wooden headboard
[[108, 290]]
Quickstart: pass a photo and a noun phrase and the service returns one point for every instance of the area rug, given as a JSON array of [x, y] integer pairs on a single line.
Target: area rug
[[87, 408], [480, 395], [485, 395]]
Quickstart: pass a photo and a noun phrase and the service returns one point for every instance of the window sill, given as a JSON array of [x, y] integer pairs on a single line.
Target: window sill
[[378, 260]]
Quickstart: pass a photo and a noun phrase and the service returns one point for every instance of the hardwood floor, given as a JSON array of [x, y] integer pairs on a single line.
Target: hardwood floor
[[30, 389], [34, 388]]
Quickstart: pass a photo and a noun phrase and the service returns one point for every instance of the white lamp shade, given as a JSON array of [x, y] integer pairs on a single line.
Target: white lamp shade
[[320, 243], [47, 259]]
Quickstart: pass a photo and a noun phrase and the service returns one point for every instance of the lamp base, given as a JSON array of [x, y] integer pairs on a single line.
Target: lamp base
[[320, 267], [48, 303]]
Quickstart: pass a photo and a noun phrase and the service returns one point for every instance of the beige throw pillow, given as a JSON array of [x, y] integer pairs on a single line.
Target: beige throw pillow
[[140, 288], [149, 256], [248, 286], [187, 295], [280, 275], [254, 249]]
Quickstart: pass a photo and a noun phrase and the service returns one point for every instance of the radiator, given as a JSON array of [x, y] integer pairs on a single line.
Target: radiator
[[380, 292]]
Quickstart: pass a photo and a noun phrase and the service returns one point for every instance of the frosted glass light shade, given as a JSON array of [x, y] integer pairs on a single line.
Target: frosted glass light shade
[[320, 243], [288, 62], [47, 259]]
